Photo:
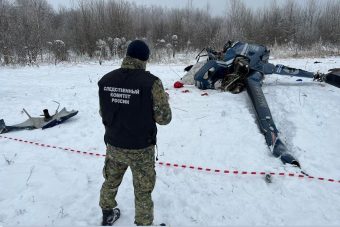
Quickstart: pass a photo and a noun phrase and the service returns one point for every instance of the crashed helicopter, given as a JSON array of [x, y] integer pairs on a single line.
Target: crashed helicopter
[[241, 66], [43, 122]]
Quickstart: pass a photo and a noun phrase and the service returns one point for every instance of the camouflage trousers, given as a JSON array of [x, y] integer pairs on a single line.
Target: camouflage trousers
[[142, 165]]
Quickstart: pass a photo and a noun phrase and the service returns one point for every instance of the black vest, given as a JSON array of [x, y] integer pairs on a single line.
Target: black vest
[[127, 108]]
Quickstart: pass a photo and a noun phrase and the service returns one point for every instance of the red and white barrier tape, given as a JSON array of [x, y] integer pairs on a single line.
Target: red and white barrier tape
[[54, 147], [253, 173], [201, 169]]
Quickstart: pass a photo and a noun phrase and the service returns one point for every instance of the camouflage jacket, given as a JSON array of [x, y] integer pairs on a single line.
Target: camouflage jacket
[[161, 107]]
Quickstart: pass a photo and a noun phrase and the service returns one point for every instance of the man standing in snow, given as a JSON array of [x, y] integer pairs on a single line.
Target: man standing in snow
[[132, 101]]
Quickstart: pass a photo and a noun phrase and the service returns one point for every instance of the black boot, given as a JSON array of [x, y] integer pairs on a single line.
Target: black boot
[[110, 216]]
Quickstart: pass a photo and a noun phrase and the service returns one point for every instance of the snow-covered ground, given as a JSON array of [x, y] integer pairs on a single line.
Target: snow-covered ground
[[44, 186]]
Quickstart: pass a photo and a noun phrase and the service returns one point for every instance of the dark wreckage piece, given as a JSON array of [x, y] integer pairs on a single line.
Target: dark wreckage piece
[[242, 66], [47, 121]]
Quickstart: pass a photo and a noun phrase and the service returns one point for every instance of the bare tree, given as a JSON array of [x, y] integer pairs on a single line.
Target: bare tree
[[5, 41]]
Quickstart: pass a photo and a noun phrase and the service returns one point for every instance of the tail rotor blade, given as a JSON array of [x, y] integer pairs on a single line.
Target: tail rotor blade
[[2, 126], [333, 78]]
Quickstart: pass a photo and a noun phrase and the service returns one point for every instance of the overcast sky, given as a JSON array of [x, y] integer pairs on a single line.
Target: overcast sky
[[216, 6]]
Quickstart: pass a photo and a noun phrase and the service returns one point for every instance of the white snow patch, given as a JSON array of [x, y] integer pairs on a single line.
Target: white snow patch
[[44, 186]]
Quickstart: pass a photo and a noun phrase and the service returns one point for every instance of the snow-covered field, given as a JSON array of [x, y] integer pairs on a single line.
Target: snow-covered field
[[48, 187]]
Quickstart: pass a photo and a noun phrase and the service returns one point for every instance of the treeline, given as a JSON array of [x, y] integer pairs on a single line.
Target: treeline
[[292, 22], [31, 31]]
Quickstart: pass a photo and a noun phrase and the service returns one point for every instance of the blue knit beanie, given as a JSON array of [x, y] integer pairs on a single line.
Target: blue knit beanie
[[139, 50]]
